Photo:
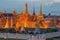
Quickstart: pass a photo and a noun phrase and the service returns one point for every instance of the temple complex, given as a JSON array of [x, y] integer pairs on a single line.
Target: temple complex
[[25, 20]]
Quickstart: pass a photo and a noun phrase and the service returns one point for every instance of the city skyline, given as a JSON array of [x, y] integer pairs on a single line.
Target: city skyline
[[48, 6]]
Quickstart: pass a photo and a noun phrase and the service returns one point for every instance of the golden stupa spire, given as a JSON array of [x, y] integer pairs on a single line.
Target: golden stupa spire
[[7, 23], [26, 9], [33, 11], [41, 14]]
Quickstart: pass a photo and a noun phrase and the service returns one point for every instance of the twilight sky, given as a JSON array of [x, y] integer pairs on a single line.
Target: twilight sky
[[48, 6]]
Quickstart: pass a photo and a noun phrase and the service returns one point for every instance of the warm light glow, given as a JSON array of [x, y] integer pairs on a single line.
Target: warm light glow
[[7, 23], [22, 29], [25, 20]]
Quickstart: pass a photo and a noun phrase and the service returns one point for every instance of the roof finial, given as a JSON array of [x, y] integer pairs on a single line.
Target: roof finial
[[14, 12], [33, 9], [26, 9], [41, 10]]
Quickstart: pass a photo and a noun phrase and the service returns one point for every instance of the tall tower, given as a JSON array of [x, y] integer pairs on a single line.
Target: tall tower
[[26, 9], [33, 11], [34, 15], [40, 17]]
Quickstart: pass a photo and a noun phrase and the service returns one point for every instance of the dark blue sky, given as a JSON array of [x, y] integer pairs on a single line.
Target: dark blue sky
[[48, 6]]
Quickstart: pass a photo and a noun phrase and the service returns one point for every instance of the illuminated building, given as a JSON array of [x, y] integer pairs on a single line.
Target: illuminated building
[[25, 20], [7, 23]]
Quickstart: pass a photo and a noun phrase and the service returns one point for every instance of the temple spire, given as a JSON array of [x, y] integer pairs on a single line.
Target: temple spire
[[26, 9], [33, 11], [41, 11], [41, 14]]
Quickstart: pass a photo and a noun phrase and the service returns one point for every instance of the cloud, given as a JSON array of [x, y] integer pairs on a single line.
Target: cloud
[[56, 0], [37, 0], [45, 2]]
